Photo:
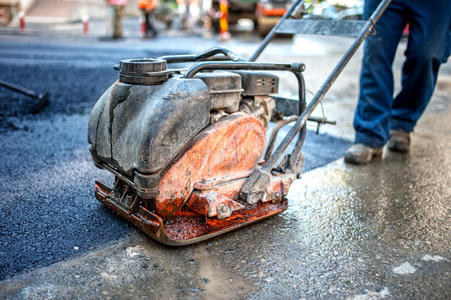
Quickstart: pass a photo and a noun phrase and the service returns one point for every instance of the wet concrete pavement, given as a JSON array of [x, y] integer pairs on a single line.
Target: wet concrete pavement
[[371, 232], [359, 232]]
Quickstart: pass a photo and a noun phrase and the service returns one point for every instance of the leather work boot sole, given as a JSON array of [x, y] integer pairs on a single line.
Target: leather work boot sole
[[399, 141], [360, 154]]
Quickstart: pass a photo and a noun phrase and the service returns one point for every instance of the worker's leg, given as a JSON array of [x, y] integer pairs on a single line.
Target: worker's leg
[[152, 24], [428, 47], [117, 27], [147, 22], [376, 77]]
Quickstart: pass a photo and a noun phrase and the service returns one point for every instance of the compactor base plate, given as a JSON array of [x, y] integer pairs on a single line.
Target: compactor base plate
[[187, 227]]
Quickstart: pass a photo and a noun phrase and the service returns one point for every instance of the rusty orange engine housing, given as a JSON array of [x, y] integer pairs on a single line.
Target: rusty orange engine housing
[[225, 151], [198, 192]]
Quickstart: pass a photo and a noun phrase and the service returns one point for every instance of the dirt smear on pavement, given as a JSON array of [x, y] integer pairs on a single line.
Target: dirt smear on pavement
[[218, 282]]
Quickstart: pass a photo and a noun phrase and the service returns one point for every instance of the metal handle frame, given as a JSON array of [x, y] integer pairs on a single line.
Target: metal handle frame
[[295, 68], [206, 56], [369, 27]]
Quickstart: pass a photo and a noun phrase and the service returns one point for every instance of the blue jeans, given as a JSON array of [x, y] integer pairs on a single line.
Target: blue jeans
[[428, 46]]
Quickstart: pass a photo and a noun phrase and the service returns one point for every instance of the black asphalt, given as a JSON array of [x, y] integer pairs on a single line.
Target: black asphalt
[[47, 209]]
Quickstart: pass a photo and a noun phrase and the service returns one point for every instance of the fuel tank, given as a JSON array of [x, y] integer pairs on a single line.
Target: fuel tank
[[142, 122]]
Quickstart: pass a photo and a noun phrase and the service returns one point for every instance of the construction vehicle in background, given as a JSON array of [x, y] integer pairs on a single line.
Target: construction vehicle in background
[[264, 14], [268, 13], [187, 143]]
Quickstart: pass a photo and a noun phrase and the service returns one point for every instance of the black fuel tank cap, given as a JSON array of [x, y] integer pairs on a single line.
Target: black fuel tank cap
[[143, 71]]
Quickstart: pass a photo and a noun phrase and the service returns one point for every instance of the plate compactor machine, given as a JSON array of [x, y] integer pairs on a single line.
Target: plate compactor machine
[[188, 145]]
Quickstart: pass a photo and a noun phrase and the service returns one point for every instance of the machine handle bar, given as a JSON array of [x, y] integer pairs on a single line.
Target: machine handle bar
[[207, 55], [300, 123]]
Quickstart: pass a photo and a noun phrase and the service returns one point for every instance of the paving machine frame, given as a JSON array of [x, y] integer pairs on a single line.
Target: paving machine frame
[[205, 190]]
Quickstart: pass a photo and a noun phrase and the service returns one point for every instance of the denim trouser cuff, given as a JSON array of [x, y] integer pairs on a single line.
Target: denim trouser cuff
[[397, 124], [368, 141]]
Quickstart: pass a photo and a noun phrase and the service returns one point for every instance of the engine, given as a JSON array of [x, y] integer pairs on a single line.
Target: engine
[[147, 117]]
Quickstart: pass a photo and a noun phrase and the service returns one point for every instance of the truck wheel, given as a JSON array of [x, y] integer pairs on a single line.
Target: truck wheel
[[255, 22], [215, 26], [262, 32]]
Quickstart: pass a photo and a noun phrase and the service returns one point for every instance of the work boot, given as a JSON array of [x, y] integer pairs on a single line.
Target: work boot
[[360, 154], [399, 141]]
